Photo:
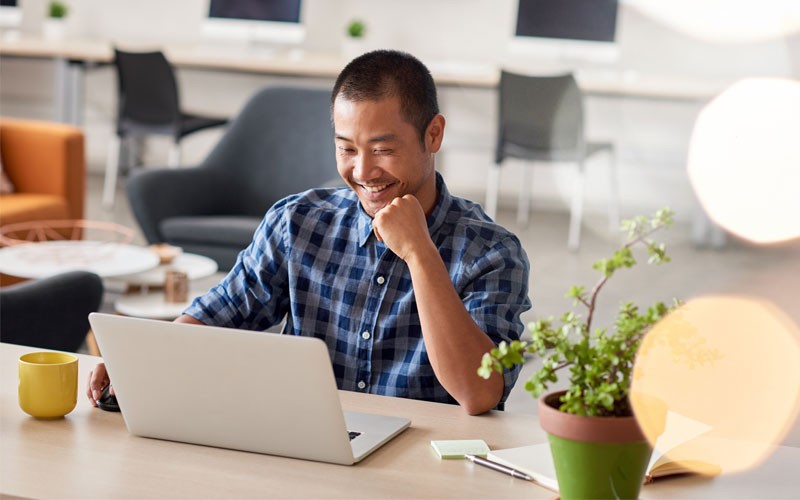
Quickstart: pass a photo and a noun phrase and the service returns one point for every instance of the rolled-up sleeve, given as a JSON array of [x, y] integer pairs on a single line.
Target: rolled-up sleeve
[[254, 295]]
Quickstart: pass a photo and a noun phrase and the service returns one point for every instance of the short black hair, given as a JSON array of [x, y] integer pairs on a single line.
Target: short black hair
[[382, 74]]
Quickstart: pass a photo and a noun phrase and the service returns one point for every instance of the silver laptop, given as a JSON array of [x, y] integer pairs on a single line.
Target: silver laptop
[[250, 391]]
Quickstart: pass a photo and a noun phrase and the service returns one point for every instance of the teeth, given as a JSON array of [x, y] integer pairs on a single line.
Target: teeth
[[376, 189]]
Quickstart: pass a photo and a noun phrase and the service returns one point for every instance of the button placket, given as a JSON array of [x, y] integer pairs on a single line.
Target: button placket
[[375, 296]]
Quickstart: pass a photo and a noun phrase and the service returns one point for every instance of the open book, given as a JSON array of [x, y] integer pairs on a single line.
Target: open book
[[536, 461]]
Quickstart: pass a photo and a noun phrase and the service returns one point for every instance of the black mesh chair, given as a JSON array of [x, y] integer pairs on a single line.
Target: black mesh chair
[[281, 143], [148, 104], [50, 313], [541, 120]]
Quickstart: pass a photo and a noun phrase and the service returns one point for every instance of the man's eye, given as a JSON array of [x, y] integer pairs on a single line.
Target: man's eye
[[345, 150], [383, 151]]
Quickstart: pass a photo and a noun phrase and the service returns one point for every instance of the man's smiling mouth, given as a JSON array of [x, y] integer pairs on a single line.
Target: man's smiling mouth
[[376, 188]]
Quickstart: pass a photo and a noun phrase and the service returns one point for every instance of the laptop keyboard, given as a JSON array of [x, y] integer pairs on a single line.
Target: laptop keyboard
[[353, 434]]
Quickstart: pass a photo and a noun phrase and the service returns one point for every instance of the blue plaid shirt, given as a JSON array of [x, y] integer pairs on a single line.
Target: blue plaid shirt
[[315, 260]]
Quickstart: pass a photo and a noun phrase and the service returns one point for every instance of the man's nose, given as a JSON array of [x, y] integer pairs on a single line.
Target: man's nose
[[363, 168]]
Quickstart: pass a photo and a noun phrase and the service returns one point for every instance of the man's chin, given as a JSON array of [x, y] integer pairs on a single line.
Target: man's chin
[[372, 209]]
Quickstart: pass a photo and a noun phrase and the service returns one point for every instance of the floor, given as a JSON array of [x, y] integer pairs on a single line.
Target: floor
[[739, 268]]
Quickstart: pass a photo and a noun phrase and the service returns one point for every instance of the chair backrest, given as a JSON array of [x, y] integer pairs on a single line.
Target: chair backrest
[[540, 114], [281, 143], [148, 92], [50, 313]]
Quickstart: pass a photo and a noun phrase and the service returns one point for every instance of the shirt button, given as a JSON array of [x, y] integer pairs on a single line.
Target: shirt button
[[365, 335], [381, 280], [361, 384]]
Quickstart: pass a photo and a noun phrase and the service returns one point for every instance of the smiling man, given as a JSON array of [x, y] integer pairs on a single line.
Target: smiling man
[[407, 285]]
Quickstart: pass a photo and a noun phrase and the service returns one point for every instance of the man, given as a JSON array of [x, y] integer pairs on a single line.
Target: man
[[407, 284]]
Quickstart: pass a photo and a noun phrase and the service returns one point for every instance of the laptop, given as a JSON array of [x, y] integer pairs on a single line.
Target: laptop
[[242, 390]]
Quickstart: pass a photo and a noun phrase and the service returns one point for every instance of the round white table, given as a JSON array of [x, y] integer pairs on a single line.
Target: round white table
[[152, 303], [195, 266], [48, 258]]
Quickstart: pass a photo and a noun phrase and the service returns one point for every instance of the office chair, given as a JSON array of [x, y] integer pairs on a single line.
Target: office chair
[[148, 104], [541, 120], [50, 313], [281, 143]]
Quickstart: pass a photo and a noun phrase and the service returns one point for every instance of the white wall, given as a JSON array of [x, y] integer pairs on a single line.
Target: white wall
[[651, 136]]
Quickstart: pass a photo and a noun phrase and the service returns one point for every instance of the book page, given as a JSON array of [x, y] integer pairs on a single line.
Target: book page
[[668, 458], [534, 460]]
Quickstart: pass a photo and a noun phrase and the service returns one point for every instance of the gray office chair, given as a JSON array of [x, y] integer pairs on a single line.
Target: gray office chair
[[50, 313], [148, 104], [280, 144], [541, 120]]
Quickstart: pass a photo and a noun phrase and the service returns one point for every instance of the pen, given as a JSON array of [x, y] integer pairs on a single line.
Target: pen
[[498, 467]]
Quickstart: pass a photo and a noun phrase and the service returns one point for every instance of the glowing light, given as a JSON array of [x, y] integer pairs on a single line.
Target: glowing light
[[727, 369], [725, 21], [744, 159]]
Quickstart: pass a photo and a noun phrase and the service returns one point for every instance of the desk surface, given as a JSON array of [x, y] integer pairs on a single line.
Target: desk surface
[[312, 64], [90, 454]]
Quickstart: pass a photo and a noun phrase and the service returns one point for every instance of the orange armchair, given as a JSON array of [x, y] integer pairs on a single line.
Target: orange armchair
[[45, 162]]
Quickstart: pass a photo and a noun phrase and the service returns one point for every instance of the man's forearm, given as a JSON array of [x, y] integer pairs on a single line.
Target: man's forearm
[[185, 318], [454, 342]]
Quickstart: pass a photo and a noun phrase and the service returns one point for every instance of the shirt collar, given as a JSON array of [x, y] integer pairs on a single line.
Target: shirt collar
[[434, 220]]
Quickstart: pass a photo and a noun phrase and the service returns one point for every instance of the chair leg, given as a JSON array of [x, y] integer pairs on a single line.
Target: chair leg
[[492, 186], [524, 202], [134, 153], [576, 212], [112, 169], [175, 155], [613, 202]]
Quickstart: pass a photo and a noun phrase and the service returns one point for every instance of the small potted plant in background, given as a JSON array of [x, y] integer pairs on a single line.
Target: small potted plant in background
[[353, 44], [54, 26], [598, 449]]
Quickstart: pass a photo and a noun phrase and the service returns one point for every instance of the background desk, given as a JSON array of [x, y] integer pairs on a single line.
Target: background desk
[[74, 56], [90, 454]]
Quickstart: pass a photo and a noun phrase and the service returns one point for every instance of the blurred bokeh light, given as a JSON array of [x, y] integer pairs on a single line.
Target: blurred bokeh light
[[744, 159], [727, 370], [725, 21]]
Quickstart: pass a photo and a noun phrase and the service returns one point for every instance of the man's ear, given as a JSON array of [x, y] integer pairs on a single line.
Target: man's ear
[[434, 134]]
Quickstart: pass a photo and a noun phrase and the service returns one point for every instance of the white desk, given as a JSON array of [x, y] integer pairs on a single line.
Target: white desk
[[73, 56], [89, 454]]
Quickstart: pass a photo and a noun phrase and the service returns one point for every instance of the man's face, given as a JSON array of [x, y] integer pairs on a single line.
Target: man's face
[[380, 156]]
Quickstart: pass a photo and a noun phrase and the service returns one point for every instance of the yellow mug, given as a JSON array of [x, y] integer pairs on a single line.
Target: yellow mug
[[48, 384]]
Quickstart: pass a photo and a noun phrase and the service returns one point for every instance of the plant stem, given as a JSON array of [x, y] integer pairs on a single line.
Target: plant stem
[[593, 301]]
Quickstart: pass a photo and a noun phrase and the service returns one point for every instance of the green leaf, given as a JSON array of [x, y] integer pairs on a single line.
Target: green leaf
[[599, 360]]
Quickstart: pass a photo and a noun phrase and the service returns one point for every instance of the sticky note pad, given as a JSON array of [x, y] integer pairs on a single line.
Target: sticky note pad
[[457, 448]]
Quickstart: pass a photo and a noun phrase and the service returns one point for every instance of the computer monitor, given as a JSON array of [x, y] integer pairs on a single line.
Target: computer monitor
[[567, 30], [10, 14], [272, 22]]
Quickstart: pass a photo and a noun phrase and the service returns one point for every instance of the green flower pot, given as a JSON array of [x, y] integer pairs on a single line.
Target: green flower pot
[[594, 457]]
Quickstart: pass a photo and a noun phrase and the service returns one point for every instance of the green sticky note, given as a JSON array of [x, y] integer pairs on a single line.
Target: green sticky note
[[457, 448]]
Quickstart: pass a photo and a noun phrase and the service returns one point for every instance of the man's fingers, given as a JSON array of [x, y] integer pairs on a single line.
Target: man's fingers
[[93, 388], [97, 380]]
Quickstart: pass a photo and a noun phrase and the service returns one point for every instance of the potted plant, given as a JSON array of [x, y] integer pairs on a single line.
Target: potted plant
[[598, 449], [353, 44], [54, 27]]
